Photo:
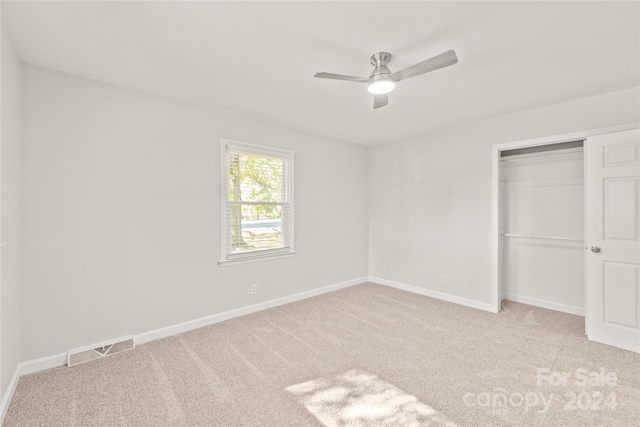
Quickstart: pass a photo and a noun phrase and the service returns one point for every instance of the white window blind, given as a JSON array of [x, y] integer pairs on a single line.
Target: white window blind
[[257, 202]]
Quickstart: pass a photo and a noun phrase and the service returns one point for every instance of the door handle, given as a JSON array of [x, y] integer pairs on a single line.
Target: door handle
[[595, 249]]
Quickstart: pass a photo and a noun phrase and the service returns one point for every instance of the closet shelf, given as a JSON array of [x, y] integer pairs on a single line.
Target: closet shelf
[[573, 239]]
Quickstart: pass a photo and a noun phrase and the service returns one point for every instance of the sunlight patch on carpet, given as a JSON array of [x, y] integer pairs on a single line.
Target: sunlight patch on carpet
[[357, 398]]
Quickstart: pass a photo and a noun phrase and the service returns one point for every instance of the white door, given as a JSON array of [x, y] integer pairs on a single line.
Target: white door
[[613, 239]]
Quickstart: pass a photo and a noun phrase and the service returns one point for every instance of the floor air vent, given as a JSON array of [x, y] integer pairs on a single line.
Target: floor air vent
[[99, 351]]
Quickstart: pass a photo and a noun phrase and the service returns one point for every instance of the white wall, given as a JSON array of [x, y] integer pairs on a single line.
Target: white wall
[[121, 213], [121, 208], [10, 151], [543, 195], [430, 197]]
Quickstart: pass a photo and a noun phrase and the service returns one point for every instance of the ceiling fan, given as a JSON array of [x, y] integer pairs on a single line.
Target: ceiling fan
[[382, 80]]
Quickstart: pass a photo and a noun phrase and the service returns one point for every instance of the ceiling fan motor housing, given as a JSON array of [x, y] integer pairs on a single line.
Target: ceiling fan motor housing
[[380, 58], [380, 61]]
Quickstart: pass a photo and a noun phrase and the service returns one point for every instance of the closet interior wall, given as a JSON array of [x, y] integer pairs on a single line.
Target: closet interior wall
[[543, 228]]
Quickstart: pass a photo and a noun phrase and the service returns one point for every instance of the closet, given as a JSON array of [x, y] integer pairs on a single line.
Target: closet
[[542, 229]]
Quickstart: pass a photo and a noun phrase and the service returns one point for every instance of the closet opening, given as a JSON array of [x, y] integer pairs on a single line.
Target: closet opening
[[565, 230], [539, 225], [543, 226]]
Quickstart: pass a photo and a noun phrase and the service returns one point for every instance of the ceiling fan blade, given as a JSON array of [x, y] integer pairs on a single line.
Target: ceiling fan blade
[[380, 100], [435, 63], [341, 77]]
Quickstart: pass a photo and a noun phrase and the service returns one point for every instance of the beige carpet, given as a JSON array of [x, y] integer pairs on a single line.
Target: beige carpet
[[368, 355]]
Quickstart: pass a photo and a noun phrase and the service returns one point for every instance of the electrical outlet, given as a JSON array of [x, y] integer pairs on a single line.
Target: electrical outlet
[[467, 285], [254, 289], [443, 278]]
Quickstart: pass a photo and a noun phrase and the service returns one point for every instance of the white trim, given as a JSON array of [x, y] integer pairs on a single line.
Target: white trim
[[586, 175], [8, 394], [435, 294], [565, 137], [44, 363], [496, 230], [224, 176], [578, 311], [220, 317], [246, 260], [266, 150]]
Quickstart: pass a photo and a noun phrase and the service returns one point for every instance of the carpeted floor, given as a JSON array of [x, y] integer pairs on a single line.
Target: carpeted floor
[[368, 355]]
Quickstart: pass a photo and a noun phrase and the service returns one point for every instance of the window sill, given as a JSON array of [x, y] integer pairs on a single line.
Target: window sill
[[249, 259]]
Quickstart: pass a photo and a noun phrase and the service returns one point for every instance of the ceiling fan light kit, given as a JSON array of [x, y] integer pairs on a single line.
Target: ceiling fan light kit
[[382, 80], [381, 86]]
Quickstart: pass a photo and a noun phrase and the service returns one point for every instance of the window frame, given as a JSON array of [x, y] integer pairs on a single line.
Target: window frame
[[228, 258]]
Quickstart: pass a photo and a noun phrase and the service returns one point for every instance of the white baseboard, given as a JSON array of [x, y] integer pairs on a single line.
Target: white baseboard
[[220, 317], [435, 294], [579, 311], [8, 394], [37, 365]]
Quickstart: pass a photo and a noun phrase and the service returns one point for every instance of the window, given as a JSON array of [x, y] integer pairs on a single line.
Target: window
[[257, 202]]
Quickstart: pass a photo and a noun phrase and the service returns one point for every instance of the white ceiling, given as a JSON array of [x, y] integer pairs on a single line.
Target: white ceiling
[[258, 58]]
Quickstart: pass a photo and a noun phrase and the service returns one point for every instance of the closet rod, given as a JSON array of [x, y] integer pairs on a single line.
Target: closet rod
[[574, 239]]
